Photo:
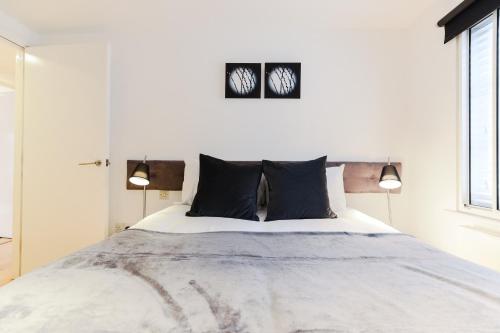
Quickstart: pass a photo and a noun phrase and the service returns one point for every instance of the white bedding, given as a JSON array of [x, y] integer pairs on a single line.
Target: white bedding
[[187, 280], [174, 220]]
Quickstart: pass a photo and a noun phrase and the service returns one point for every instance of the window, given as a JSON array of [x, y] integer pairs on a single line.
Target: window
[[480, 113], [482, 63]]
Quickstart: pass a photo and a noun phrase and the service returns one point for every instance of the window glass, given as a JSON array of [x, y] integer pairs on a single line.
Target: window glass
[[482, 76]]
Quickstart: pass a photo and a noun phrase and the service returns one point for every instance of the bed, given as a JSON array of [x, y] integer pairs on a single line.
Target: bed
[[172, 273]]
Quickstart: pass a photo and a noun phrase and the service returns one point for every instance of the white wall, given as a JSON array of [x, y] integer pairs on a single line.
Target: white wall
[[432, 165], [7, 123], [168, 95], [8, 56]]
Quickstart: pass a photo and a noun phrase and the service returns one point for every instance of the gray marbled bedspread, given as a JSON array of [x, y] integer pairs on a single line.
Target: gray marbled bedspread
[[142, 281]]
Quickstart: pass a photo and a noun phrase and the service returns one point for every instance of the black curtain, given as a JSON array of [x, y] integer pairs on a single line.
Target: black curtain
[[466, 15]]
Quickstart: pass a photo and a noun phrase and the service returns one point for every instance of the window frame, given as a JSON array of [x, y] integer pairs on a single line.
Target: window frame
[[464, 142]]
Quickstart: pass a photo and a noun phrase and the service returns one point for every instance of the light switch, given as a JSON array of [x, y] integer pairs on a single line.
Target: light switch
[[163, 195]]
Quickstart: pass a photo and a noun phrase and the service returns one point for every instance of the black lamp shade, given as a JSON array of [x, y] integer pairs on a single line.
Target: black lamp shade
[[389, 179], [140, 176]]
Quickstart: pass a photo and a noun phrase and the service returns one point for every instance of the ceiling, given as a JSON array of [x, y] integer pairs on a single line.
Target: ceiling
[[57, 16]]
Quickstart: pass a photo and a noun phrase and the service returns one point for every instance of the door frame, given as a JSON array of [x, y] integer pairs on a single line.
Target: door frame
[[18, 159], [18, 165]]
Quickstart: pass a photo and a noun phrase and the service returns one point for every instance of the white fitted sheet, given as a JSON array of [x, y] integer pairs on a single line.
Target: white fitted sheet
[[174, 220]]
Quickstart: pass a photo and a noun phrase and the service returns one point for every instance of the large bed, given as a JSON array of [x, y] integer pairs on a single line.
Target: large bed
[[172, 273]]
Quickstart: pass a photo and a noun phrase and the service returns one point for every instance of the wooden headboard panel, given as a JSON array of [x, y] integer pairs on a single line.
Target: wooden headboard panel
[[359, 177]]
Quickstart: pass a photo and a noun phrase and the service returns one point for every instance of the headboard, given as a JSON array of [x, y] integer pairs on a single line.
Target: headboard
[[359, 177]]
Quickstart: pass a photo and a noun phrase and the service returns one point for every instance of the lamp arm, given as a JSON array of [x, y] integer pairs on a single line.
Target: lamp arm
[[389, 208], [144, 202]]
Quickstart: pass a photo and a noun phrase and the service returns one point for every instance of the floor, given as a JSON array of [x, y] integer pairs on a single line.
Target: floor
[[5, 261]]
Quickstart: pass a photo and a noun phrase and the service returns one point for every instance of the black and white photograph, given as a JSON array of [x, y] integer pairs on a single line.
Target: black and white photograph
[[282, 80], [243, 80]]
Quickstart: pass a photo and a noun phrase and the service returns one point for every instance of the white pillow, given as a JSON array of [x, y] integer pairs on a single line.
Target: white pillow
[[190, 184], [335, 184]]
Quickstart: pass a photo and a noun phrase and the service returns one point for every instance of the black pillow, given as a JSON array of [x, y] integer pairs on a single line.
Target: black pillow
[[297, 190], [226, 189]]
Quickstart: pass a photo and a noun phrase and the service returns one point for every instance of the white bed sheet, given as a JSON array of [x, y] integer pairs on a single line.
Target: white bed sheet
[[174, 220]]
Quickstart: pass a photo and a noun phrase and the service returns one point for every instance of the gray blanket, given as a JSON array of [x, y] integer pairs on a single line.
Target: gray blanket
[[142, 281]]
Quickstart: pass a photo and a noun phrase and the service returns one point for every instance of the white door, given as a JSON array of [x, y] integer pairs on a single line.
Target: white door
[[66, 119]]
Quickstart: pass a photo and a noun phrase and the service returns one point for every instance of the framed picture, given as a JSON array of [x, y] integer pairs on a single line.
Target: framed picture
[[243, 80], [282, 80]]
